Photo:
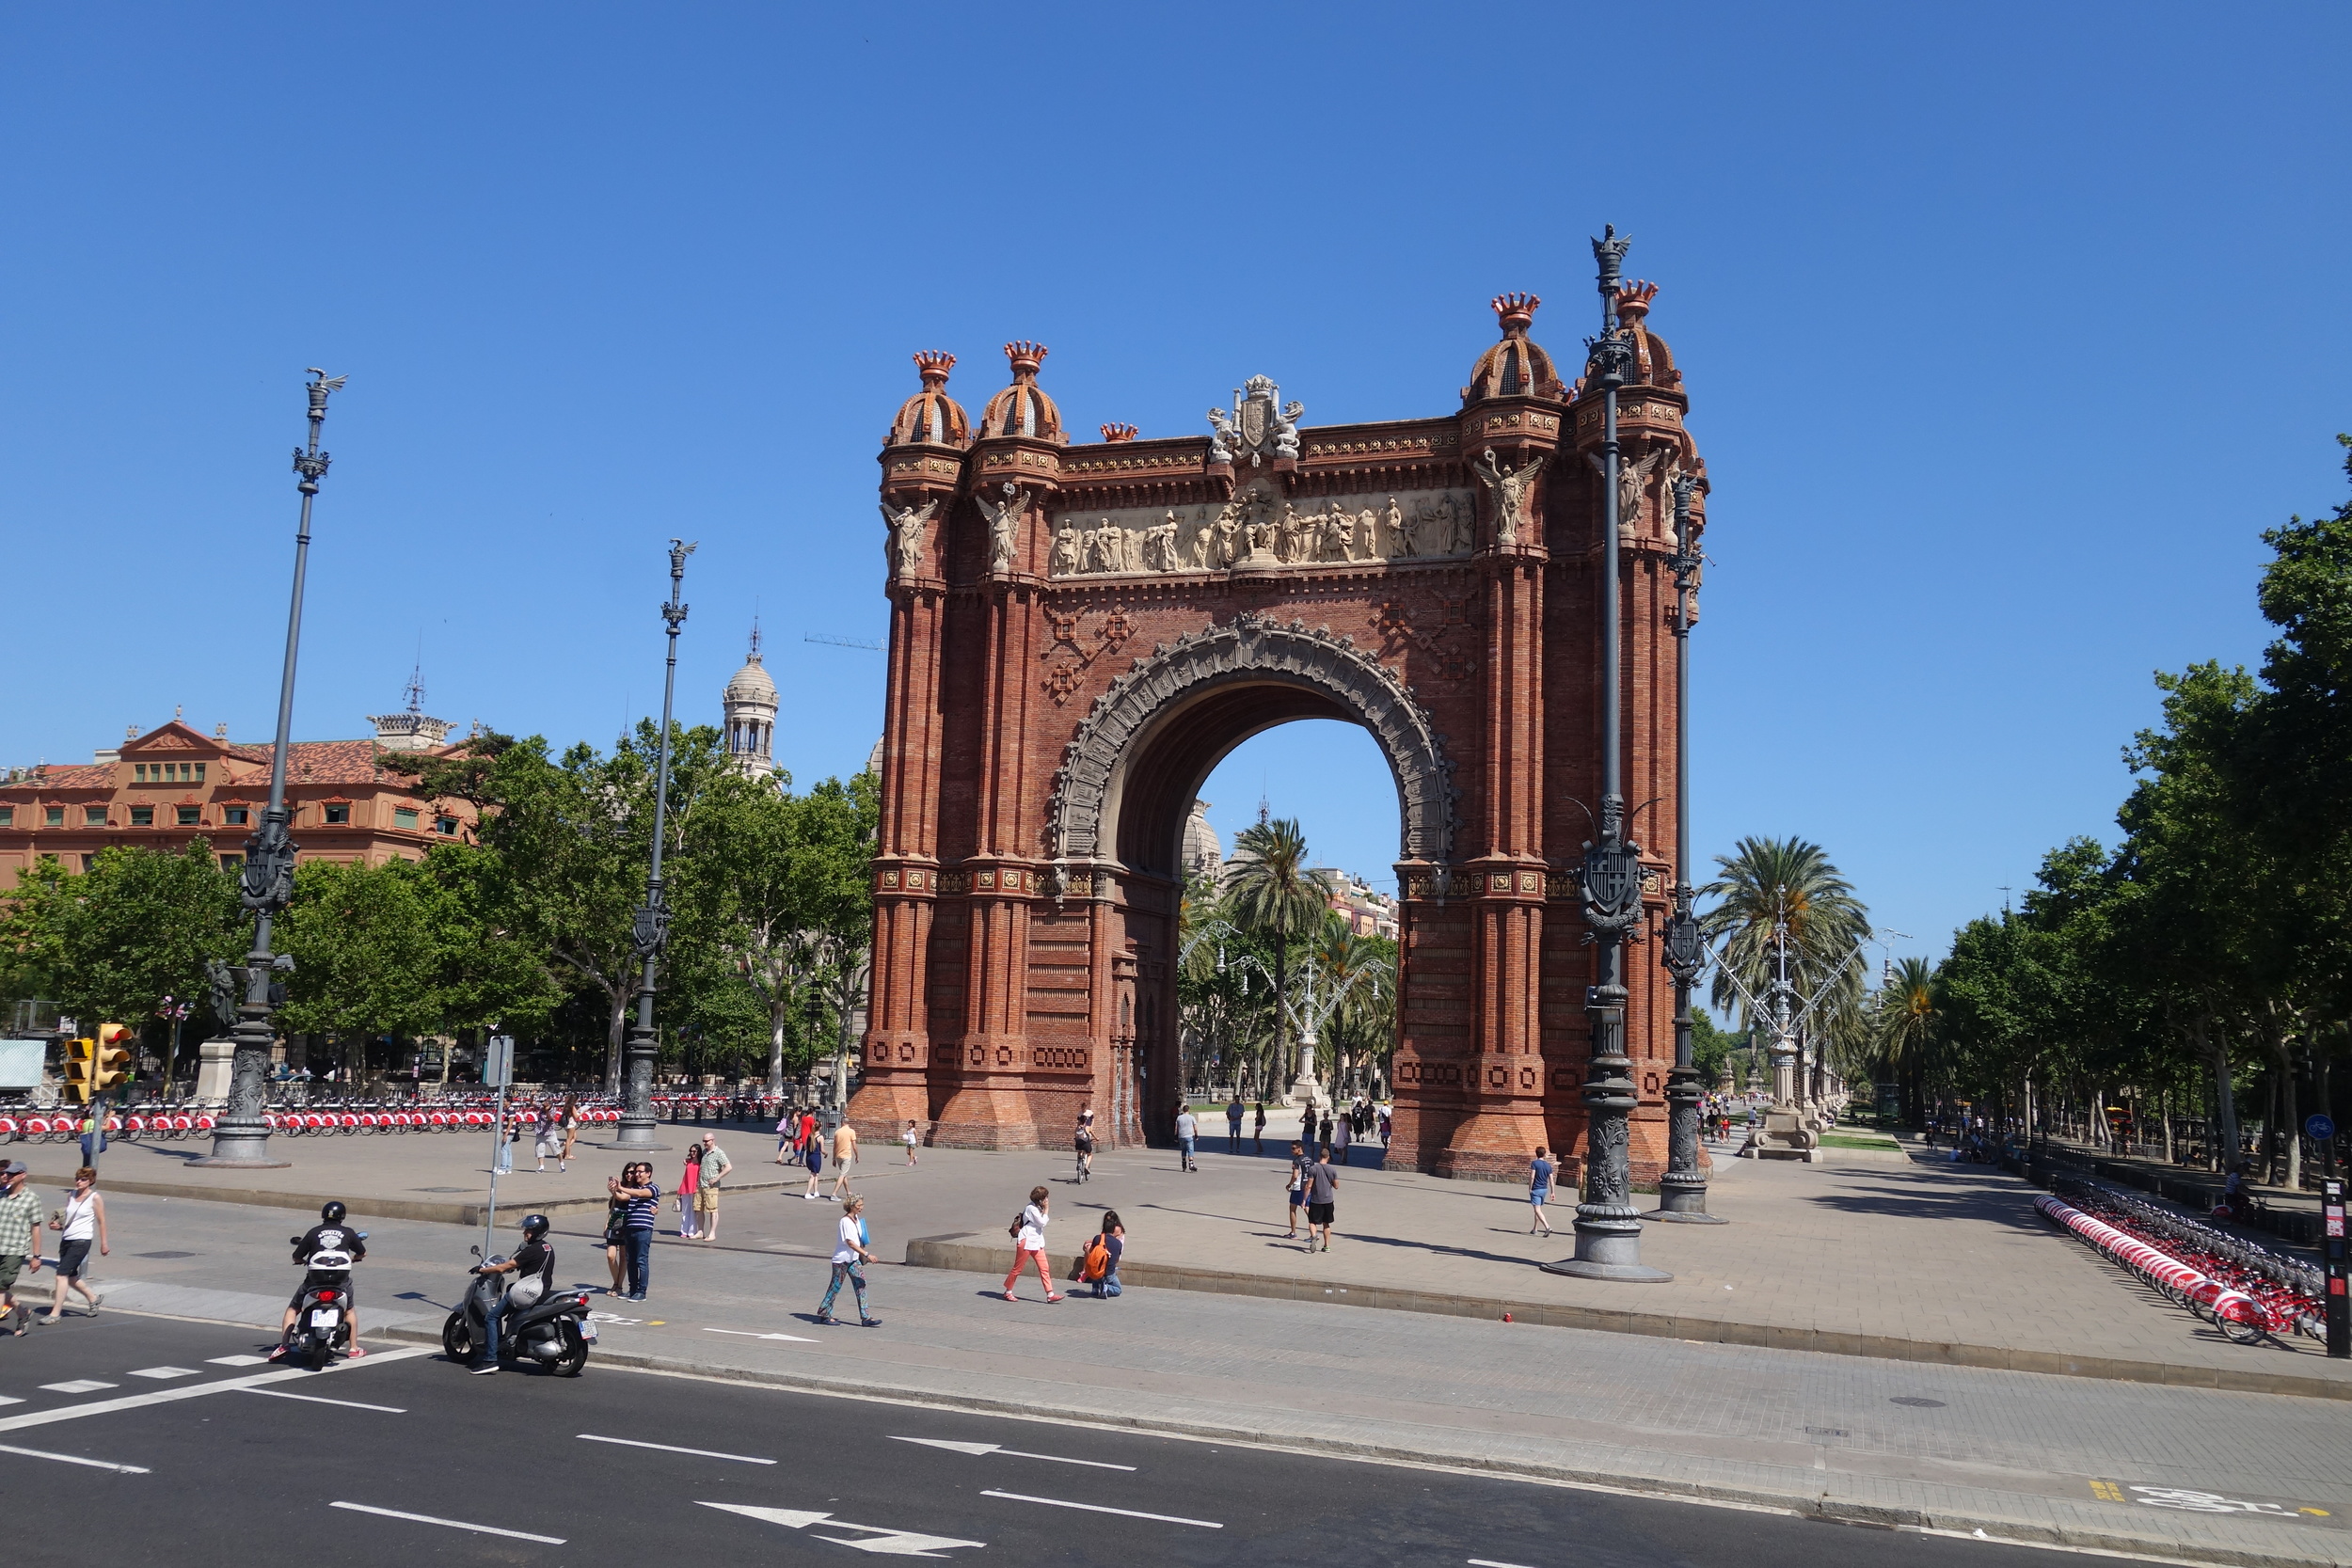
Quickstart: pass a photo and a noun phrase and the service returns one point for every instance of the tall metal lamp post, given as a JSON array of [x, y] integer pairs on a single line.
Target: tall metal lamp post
[[241, 1136], [1608, 1227], [651, 932], [1682, 1190]]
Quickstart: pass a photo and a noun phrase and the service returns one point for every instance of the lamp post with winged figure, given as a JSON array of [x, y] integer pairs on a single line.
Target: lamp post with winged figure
[[651, 931], [241, 1136], [1608, 1227]]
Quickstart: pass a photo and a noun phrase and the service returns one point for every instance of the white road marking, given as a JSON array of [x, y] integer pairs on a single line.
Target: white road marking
[[79, 1386], [77, 1458], [881, 1540], [667, 1448], [313, 1399], [1098, 1508], [236, 1360], [198, 1390], [453, 1524], [1489, 1563], [979, 1449], [10, 1399], [162, 1374], [746, 1333]]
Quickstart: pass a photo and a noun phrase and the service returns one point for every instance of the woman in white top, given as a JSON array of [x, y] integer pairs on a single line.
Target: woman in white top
[[1028, 1244], [849, 1258], [81, 1221]]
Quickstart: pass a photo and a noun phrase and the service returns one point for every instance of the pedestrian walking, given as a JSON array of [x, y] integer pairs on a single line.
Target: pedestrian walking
[[81, 1221], [550, 1138], [1298, 1180], [788, 1137], [715, 1166], [1098, 1265], [1233, 1124], [1029, 1243], [1323, 1201], [1187, 1129], [91, 1133], [689, 1178], [1341, 1136], [849, 1258], [912, 1140], [510, 1132], [1257, 1140], [844, 1156], [635, 1184], [1082, 1141], [1387, 1125], [813, 1156], [1538, 1190], [571, 1133], [20, 1242]]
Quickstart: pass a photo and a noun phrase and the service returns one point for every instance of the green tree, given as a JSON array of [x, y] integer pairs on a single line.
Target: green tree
[[1771, 886], [1271, 889]]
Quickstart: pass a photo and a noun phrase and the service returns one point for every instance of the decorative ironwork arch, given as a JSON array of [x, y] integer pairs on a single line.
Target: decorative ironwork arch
[[1256, 648]]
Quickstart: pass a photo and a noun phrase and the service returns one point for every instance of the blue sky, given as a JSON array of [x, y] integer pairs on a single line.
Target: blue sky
[[2007, 330]]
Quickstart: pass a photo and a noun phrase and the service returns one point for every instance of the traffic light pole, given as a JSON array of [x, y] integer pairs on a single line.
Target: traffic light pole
[[241, 1136]]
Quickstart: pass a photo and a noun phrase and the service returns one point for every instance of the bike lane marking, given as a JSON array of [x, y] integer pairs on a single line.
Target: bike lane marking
[[979, 1449], [76, 1459], [1098, 1507], [167, 1396], [672, 1448], [315, 1399], [450, 1523]]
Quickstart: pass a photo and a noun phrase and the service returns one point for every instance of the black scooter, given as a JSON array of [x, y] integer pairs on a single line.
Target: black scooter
[[322, 1325], [554, 1332]]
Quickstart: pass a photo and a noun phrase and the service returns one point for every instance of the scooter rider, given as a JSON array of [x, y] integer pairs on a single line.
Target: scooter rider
[[330, 1235], [533, 1268]]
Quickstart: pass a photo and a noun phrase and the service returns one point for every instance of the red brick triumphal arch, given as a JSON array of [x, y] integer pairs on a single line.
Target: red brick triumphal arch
[[1080, 632]]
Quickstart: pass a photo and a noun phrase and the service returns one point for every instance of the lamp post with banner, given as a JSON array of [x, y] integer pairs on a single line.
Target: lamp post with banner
[[651, 931], [1608, 1227], [241, 1136]]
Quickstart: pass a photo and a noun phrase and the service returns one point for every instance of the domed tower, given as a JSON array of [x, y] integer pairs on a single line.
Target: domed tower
[[1014, 474], [750, 707], [922, 460], [1517, 367], [1653, 362], [1023, 408], [931, 417]]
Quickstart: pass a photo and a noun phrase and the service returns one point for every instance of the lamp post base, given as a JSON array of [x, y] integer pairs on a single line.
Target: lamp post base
[[1682, 1202], [1683, 1216], [1608, 1247], [1625, 1274]]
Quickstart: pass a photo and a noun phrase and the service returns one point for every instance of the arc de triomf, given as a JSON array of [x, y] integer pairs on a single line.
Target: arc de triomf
[[1080, 632]]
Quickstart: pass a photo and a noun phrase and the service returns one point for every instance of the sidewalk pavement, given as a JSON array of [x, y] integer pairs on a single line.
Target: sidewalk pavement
[[1921, 1262], [2020, 1456]]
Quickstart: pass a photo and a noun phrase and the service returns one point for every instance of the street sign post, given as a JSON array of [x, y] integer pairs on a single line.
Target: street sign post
[[498, 1066], [2332, 1249]]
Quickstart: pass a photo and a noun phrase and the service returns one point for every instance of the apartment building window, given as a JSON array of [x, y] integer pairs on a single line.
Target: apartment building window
[[89, 863], [188, 816], [167, 772], [7, 817], [54, 817], [142, 817], [403, 817], [232, 864], [93, 816], [235, 816], [338, 817], [445, 826]]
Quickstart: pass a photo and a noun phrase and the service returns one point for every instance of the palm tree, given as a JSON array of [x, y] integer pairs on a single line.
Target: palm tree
[[1773, 886], [1905, 1023], [1272, 888]]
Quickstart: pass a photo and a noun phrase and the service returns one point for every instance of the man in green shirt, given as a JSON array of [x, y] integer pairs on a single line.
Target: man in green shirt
[[20, 1242]]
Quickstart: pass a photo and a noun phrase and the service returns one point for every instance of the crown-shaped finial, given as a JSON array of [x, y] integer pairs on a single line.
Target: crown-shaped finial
[[1119, 433], [1516, 313], [933, 367], [1026, 358], [1633, 299]]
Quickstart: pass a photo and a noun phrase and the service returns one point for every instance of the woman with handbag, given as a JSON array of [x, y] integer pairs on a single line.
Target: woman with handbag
[[81, 1221]]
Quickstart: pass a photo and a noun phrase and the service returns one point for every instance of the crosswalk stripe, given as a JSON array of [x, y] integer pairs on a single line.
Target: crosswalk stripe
[[161, 1374], [79, 1386], [236, 1360]]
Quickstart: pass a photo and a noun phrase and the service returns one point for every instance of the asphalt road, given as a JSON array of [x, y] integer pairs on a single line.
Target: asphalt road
[[233, 1463]]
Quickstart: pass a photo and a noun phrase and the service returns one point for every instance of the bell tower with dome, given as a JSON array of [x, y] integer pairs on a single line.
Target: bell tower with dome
[[750, 708]]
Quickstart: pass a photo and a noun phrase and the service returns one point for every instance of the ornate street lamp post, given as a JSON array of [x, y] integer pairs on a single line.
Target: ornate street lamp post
[[1682, 1190], [241, 1136], [1608, 1227], [652, 929]]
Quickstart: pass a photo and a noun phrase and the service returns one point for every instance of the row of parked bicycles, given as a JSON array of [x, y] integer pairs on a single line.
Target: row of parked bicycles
[[164, 1123], [2245, 1289]]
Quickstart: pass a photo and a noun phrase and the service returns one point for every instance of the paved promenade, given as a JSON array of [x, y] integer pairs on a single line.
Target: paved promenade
[[1916, 1261]]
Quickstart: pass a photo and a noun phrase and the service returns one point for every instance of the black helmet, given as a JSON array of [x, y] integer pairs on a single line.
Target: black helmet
[[333, 1213], [535, 1225]]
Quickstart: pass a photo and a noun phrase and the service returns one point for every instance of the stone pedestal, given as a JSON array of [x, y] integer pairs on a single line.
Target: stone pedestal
[[213, 1059], [1787, 1133]]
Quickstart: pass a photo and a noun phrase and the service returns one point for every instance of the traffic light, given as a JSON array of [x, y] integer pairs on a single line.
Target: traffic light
[[81, 1065], [111, 1064]]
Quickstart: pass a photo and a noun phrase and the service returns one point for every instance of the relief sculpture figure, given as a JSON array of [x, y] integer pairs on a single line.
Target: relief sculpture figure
[[903, 548], [1633, 480], [1067, 561], [1510, 488], [1004, 526]]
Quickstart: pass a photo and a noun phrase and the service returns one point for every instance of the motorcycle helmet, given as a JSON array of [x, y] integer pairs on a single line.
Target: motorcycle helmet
[[535, 1225], [333, 1213]]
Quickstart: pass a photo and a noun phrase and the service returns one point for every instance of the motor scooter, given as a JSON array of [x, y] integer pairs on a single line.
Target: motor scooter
[[322, 1326], [554, 1332]]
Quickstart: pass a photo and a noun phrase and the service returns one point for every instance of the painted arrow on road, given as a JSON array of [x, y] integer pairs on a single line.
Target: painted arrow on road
[[747, 1334], [889, 1542], [978, 1448]]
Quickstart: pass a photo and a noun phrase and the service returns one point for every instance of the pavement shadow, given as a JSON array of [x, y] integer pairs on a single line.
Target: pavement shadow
[[1906, 1194]]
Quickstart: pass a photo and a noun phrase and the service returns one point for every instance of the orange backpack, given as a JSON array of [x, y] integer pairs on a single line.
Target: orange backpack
[[1097, 1261]]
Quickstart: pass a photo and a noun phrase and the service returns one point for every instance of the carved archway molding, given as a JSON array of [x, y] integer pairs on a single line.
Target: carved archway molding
[[1252, 648]]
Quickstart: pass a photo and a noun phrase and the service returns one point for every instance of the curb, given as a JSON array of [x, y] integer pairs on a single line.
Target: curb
[[468, 1213], [952, 1252], [1821, 1506]]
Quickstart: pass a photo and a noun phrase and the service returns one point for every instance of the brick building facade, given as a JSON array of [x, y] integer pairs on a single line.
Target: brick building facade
[[174, 784], [1080, 632]]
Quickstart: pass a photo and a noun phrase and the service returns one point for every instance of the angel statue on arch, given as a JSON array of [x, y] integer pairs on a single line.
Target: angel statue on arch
[[1004, 526], [908, 526]]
